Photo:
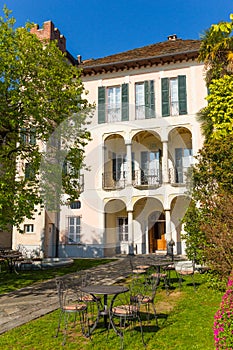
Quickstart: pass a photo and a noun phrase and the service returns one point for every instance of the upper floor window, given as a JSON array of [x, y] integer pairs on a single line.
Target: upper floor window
[[113, 104], [144, 100], [28, 135], [75, 205], [74, 229], [174, 99], [29, 173], [28, 228]]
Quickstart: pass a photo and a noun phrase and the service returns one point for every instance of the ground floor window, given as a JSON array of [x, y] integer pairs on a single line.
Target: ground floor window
[[74, 229], [122, 224]]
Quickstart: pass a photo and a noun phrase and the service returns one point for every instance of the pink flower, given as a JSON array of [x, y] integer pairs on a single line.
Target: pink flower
[[223, 320]]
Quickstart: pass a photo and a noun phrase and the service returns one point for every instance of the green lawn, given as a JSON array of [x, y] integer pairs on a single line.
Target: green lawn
[[185, 323]]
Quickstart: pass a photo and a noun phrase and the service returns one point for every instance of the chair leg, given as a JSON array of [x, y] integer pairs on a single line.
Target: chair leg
[[66, 319], [155, 313], [59, 324], [140, 323]]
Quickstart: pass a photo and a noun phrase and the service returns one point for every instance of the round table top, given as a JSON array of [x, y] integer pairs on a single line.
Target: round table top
[[104, 289]]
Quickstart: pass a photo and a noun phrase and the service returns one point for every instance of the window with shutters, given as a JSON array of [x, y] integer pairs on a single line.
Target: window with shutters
[[144, 100], [28, 135], [174, 99], [113, 104]]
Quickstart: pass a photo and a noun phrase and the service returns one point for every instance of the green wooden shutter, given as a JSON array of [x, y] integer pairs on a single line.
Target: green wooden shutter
[[149, 99], [125, 102], [101, 105], [152, 99], [165, 97], [182, 94], [146, 96], [32, 136], [65, 167], [23, 135]]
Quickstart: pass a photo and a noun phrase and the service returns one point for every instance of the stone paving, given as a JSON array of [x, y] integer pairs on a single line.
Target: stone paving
[[26, 304]]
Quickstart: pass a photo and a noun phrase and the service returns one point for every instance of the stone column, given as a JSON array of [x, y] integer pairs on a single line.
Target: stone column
[[129, 163], [165, 170], [130, 233]]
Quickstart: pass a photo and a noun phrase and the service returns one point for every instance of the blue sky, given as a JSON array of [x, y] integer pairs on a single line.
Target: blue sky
[[99, 28]]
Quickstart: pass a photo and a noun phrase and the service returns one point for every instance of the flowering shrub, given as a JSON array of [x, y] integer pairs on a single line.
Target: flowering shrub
[[223, 320]]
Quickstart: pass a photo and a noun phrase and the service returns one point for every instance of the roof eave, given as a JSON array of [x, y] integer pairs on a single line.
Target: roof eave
[[138, 62]]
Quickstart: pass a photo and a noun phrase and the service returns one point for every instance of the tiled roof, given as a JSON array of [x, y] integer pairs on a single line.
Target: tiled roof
[[162, 49]]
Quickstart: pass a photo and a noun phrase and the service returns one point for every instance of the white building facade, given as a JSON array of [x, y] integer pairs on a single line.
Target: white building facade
[[145, 135]]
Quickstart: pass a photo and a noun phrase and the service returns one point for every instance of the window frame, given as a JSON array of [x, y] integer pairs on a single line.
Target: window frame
[[75, 205], [147, 100], [30, 227], [76, 234], [139, 106], [114, 104], [123, 229]]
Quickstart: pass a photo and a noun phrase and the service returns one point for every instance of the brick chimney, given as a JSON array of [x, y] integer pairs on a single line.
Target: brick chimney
[[48, 32]]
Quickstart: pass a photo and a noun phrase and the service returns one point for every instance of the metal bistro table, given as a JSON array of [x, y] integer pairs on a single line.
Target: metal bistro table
[[165, 274], [104, 290], [11, 259]]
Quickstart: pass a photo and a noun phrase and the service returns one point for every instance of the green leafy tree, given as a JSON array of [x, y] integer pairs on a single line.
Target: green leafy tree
[[42, 123], [208, 222], [216, 50]]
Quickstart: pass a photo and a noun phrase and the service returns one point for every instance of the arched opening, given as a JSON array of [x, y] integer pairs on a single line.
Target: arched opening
[[180, 154], [146, 159], [116, 228], [114, 175], [156, 231]]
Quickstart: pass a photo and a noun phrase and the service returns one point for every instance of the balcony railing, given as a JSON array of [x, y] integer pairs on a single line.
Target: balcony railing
[[178, 176], [114, 180], [147, 178], [140, 179]]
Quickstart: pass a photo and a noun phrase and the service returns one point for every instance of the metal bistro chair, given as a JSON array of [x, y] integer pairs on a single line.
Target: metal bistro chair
[[137, 269], [147, 298], [161, 276], [94, 303], [126, 309], [185, 268], [69, 305]]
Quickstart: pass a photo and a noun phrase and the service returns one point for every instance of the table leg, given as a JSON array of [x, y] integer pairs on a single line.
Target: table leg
[[105, 311]]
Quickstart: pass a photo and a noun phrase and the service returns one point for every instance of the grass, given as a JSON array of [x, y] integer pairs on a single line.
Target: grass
[[185, 323]]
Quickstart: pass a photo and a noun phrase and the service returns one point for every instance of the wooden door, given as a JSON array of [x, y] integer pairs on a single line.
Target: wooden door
[[156, 233]]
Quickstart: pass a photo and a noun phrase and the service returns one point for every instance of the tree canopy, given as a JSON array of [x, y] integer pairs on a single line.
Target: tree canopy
[[208, 221], [42, 122]]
